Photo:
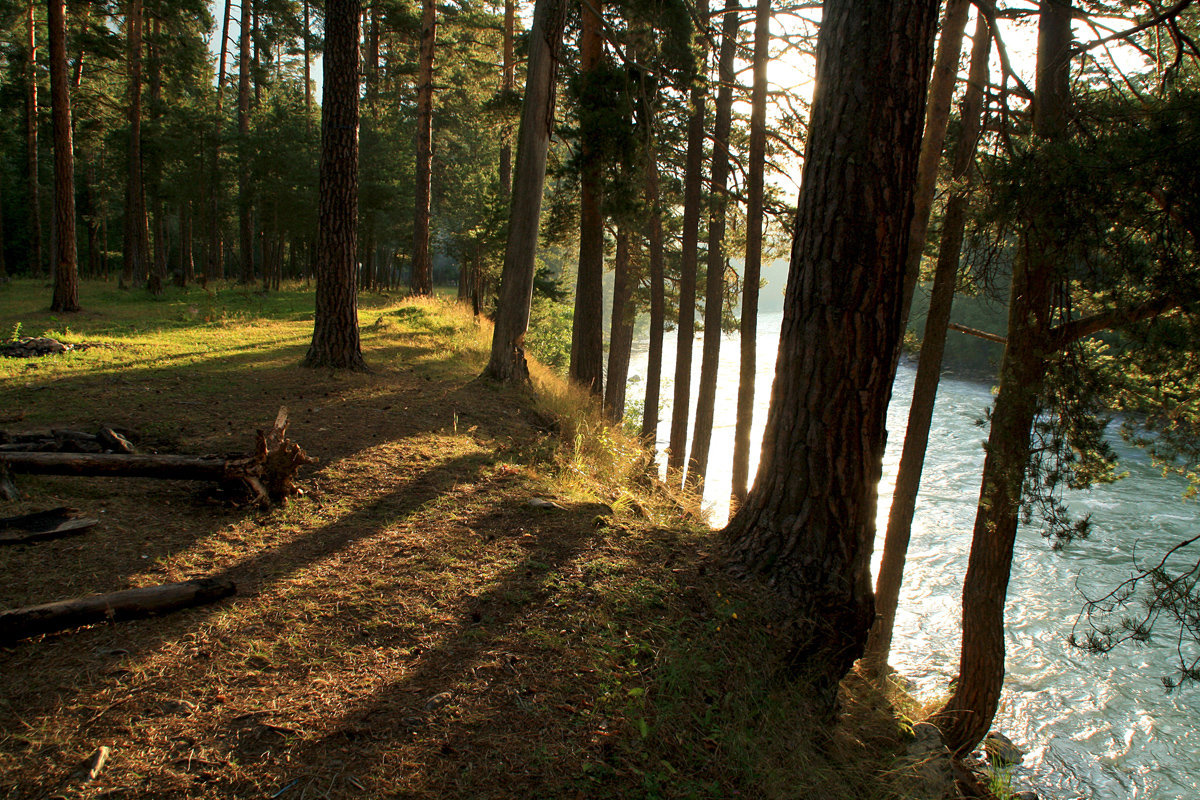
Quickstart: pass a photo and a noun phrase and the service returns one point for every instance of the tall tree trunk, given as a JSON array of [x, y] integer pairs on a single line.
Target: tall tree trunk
[[422, 273], [937, 118], [307, 68], [187, 262], [620, 337], [507, 85], [137, 235], [654, 239], [3, 264], [31, 145], [214, 268], [587, 324], [692, 188], [753, 269], [808, 523], [335, 341], [66, 276], [969, 712], [507, 361], [714, 289], [920, 415], [158, 266], [245, 190]]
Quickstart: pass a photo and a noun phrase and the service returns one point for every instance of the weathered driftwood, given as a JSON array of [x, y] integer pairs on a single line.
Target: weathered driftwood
[[267, 474], [21, 623], [42, 525]]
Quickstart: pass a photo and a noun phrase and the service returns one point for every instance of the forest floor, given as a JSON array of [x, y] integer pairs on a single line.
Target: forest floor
[[409, 626]]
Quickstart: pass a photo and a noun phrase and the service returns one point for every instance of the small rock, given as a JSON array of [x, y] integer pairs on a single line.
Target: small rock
[[541, 502], [1002, 751], [1026, 795], [438, 700], [930, 756]]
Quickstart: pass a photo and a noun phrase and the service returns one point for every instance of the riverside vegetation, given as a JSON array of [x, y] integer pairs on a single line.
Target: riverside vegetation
[[409, 626]]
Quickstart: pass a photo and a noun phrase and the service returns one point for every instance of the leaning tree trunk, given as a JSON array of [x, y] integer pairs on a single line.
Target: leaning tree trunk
[[335, 341], [422, 269], [137, 233], [970, 710], [507, 361], [808, 524], [933, 345], [620, 337], [31, 144], [937, 118], [686, 326], [66, 274], [714, 289], [587, 323], [748, 371]]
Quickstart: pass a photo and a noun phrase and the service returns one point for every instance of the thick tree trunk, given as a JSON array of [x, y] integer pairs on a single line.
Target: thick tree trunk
[[620, 336], [245, 190], [3, 264], [714, 289], [971, 708], [507, 85], [137, 234], [36, 258], [22, 623], [808, 524], [752, 273], [422, 272], [507, 361], [335, 341], [686, 326], [937, 118], [587, 324], [66, 274], [654, 239], [920, 415]]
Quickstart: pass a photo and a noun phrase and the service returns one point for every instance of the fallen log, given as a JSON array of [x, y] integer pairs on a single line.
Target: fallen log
[[21, 623], [43, 525], [267, 474]]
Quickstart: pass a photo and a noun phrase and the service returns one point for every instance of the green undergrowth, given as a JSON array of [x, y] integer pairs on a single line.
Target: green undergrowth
[[591, 649]]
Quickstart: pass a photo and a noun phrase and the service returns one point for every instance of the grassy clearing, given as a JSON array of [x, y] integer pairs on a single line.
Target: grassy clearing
[[410, 626]]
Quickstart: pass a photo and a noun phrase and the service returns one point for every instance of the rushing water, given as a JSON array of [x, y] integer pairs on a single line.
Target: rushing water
[[1094, 726]]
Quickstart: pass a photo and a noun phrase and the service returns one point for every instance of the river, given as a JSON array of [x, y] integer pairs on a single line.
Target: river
[[1095, 726]]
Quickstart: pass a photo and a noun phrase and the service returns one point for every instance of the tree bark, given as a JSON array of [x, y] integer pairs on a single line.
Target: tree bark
[[933, 345], [66, 272], [158, 263], [752, 273], [714, 289], [31, 145], [692, 188], [422, 271], [507, 360], [620, 337], [587, 336], [808, 524], [22, 623], [968, 713], [245, 190], [137, 235], [937, 118], [335, 341]]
